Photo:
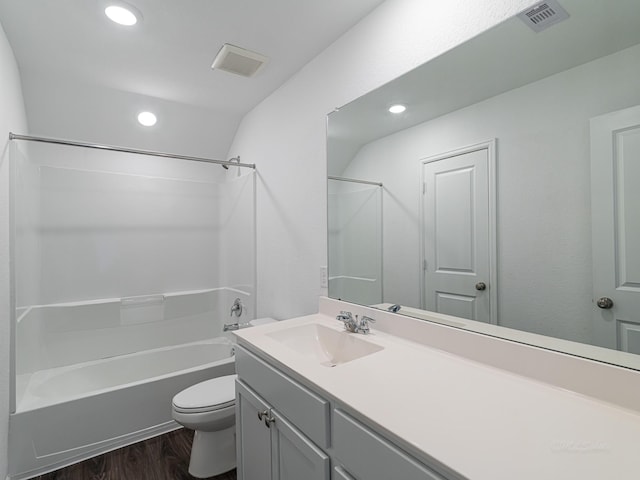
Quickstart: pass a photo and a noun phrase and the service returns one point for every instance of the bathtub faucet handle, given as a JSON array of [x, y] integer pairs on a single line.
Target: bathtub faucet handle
[[236, 308]]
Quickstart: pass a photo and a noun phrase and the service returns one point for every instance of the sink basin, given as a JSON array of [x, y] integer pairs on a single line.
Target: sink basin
[[327, 346]]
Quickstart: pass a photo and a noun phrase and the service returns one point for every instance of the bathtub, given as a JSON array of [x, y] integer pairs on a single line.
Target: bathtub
[[68, 412]]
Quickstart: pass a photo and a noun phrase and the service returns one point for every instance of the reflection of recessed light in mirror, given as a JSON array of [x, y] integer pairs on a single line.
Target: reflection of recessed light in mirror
[[147, 119], [397, 108], [122, 15]]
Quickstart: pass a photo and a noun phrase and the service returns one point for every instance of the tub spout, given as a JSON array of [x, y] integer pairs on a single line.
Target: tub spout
[[234, 326]]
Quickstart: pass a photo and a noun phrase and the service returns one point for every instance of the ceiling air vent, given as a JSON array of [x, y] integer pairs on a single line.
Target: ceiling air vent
[[543, 15], [238, 60]]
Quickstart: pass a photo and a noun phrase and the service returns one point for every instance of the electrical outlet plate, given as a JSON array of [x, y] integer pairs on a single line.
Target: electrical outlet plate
[[324, 277]]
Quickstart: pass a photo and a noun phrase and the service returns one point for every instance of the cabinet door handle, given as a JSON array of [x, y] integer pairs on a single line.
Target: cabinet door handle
[[266, 418], [268, 421]]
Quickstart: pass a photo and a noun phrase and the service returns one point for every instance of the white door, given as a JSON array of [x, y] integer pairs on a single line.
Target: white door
[[615, 210], [458, 226]]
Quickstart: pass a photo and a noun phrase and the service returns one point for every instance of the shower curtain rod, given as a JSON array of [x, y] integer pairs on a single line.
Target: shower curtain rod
[[343, 179], [14, 136]]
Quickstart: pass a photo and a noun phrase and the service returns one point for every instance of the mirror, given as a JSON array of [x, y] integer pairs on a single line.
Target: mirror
[[508, 192]]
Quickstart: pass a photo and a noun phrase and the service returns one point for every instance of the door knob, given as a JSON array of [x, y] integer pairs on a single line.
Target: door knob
[[481, 286], [262, 415], [604, 303]]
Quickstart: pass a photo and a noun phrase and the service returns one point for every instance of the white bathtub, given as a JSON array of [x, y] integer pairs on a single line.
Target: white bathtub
[[62, 384], [72, 413], [68, 413]]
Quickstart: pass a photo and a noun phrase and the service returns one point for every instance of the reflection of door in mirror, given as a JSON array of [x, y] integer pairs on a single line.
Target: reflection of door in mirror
[[615, 176], [458, 231]]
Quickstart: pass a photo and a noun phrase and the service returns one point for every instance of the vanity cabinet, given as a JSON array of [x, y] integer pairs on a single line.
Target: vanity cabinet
[[285, 431], [366, 455], [269, 445]]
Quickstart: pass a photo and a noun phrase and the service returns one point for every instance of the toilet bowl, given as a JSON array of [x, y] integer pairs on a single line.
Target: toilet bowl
[[209, 409]]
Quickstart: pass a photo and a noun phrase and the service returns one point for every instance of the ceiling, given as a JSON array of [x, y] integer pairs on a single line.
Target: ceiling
[[67, 47]]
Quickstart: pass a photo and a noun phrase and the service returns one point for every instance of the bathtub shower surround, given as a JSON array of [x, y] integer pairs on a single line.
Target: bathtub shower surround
[[126, 267], [67, 351], [355, 226]]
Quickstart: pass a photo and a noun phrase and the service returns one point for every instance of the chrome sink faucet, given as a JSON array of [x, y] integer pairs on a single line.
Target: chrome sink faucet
[[355, 325]]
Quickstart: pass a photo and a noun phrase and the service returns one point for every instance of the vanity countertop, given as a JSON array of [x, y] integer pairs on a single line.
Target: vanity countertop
[[478, 420]]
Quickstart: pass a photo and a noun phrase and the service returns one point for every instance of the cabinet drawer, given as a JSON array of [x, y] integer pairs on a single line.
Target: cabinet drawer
[[367, 456], [306, 410]]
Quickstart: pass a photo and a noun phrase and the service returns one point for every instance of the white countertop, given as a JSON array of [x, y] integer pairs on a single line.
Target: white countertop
[[478, 420]]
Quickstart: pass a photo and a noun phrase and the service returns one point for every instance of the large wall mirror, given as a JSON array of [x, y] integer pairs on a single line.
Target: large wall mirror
[[507, 194]]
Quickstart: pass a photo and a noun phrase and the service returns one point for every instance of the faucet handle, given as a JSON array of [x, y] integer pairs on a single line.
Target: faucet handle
[[236, 308], [363, 324]]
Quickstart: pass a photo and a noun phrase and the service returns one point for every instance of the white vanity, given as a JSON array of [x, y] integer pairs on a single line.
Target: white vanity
[[419, 400]]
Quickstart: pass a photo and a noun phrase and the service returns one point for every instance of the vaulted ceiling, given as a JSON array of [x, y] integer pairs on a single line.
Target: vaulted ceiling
[[86, 77]]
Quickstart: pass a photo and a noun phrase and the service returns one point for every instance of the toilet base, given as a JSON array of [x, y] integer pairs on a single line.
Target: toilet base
[[213, 453]]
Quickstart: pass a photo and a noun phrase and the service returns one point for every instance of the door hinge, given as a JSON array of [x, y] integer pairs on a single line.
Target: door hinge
[[424, 187], [424, 265]]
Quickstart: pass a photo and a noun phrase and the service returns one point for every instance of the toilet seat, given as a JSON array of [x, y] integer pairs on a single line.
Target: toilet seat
[[208, 396]]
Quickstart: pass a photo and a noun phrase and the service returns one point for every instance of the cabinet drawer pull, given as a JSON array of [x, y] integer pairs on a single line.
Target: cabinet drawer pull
[[263, 415]]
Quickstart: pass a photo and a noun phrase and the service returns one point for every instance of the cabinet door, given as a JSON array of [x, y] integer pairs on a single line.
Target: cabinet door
[[297, 458], [253, 447]]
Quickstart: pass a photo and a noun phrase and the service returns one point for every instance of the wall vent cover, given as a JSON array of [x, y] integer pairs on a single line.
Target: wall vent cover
[[543, 15], [238, 60]]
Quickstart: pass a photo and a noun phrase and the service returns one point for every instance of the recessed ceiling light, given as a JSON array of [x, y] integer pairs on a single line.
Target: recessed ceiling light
[[147, 119], [397, 108], [122, 15]]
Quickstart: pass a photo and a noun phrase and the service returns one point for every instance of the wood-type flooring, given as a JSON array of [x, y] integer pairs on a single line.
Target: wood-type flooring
[[165, 457]]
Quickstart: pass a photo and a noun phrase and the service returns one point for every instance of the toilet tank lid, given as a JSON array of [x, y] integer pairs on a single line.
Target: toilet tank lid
[[219, 391]]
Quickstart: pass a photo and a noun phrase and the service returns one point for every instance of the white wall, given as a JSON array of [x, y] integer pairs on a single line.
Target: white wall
[[71, 109], [543, 191], [285, 134], [12, 118]]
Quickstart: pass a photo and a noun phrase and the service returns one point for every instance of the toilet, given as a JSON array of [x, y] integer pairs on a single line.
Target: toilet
[[209, 408]]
